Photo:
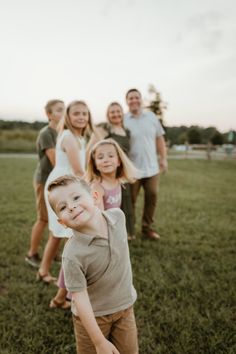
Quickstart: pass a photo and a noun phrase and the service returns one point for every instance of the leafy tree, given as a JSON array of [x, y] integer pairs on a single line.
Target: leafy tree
[[207, 134], [182, 138], [176, 135], [217, 138], [194, 136], [156, 105]]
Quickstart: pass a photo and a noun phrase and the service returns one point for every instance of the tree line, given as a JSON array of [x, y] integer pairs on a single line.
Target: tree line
[[183, 134], [174, 135], [20, 124], [197, 135]]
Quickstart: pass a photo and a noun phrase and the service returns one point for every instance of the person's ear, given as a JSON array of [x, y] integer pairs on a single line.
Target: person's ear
[[95, 196], [62, 223], [49, 115]]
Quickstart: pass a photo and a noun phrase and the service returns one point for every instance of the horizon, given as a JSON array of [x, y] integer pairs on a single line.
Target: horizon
[[45, 121]]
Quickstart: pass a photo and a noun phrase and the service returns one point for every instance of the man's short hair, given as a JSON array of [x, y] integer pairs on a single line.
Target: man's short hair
[[132, 90]]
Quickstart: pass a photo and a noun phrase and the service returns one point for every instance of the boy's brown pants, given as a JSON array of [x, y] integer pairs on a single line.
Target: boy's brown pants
[[119, 328], [150, 186]]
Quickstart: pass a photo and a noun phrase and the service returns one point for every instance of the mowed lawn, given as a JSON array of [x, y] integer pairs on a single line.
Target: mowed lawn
[[185, 282]]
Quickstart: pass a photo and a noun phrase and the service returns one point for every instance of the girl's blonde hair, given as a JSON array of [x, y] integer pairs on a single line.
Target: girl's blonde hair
[[126, 172], [65, 123]]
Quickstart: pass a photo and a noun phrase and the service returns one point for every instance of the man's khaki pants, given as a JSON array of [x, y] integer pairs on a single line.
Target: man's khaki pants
[[150, 186]]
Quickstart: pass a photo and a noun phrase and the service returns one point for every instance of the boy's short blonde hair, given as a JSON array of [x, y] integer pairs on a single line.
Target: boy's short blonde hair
[[50, 104], [65, 181]]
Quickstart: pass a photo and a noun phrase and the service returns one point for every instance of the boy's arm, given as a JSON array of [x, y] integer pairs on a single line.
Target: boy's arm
[[161, 148], [51, 155], [86, 315]]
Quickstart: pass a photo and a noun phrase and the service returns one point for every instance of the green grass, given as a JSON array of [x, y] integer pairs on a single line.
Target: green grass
[[185, 282]]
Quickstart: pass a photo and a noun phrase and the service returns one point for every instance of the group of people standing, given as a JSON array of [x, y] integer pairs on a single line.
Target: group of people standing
[[116, 158]]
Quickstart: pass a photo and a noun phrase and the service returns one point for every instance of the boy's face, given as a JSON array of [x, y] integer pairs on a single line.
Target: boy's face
[[134, 101], [73, 205], [57, 112]]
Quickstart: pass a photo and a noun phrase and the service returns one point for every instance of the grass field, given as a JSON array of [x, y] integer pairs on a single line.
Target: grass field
[[185, 283]]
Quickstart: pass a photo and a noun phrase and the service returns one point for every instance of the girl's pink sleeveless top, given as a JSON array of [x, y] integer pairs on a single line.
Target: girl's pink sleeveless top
[[112, 197]]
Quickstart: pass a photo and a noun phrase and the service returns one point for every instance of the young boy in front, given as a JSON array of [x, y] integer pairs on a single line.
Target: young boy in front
[[97, 270]]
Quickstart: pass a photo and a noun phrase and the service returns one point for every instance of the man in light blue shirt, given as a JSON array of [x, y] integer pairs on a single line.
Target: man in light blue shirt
[[148, 153]]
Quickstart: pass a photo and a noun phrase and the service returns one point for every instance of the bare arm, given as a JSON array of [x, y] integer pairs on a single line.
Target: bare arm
[[98, 134], [85, 312], [71, 147], [50, 153], [161, 148]]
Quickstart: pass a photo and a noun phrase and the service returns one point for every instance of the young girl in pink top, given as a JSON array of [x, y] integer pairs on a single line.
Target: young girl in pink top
[[108, 168]]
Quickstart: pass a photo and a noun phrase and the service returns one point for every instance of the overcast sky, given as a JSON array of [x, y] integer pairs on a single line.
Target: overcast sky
[[97, 49]]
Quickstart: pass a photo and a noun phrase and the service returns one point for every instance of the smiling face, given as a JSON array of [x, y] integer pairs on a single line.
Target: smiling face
[[73, 204], [106, 159], [134, 102], [115, 115], [79, 116]]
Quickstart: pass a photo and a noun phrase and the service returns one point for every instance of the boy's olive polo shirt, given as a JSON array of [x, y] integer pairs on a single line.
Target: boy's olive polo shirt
[[102, 266]]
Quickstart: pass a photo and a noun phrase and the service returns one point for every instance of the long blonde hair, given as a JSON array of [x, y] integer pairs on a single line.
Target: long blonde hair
[[126, 172], [65, 123]]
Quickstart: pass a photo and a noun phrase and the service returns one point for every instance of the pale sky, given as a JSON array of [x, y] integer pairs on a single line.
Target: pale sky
[[96, 50]]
